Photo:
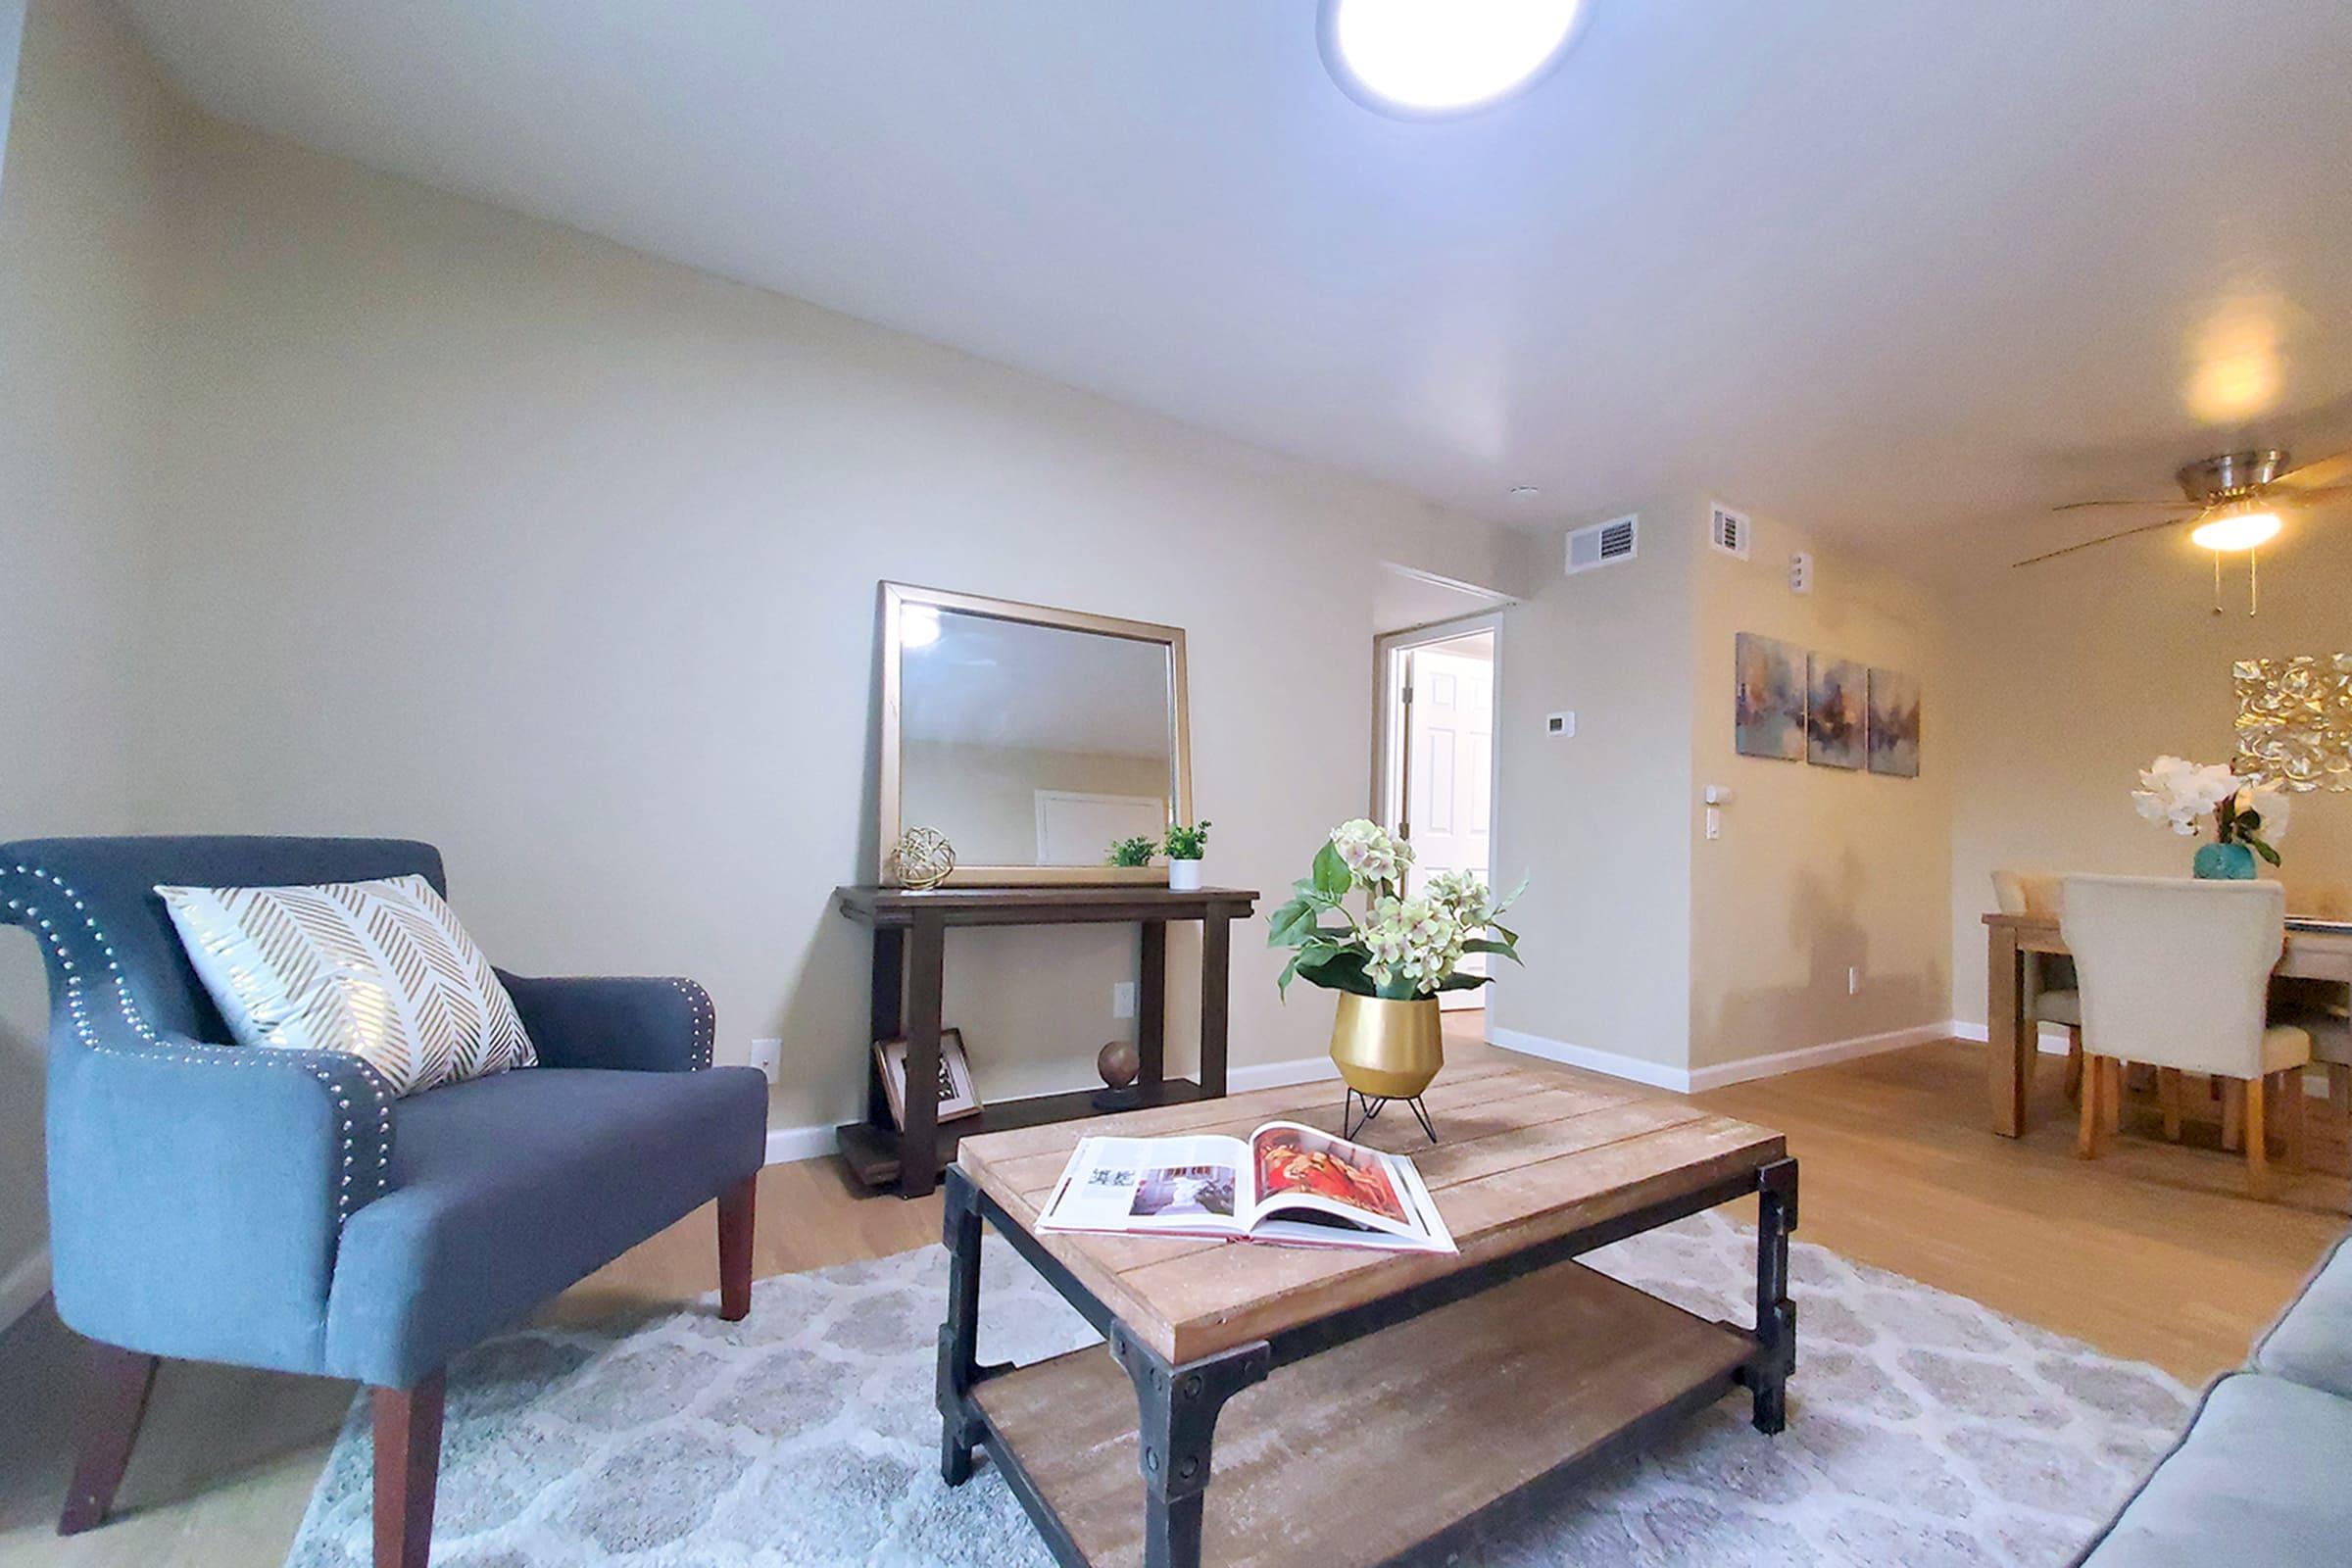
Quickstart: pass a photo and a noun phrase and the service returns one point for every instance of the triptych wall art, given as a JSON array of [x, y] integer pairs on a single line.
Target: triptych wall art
[[1794, 703]]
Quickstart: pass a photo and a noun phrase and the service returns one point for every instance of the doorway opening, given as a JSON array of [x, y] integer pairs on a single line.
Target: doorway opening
[[1437, 757]]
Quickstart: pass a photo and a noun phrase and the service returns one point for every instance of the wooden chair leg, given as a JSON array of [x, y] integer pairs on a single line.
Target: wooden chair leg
[[2093, 1122], [408, 1466], [2167, 1096], [735, 1213], [2291, 1104], [2110, 1093], [2339, 1091], [2073, 1062], [2233, 1113], [2258, 1142], [114, 1392]]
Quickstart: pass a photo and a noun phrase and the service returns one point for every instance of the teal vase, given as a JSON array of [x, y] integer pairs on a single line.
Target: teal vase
[[2224, 863]]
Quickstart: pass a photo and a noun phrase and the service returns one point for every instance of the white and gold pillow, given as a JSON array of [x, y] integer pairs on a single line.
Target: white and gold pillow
[[378, 970]]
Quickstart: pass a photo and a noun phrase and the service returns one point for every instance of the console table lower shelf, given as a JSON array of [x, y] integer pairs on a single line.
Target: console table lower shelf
[[872, 1152], [1351, 1456]]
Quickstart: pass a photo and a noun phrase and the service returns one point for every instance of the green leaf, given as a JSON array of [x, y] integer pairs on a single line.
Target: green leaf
[[1503, 933], [1282, 986], [2264, 850], [1503, 948], [1401, 988], [1291, 924], [1344, 970], [1331, 872], [1464, 982], [1512, 897]]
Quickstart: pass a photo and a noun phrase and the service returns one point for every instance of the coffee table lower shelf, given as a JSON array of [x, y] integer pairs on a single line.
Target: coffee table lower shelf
[[1353, 1455]]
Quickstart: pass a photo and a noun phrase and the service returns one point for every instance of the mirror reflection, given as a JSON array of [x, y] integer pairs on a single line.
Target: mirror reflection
[[1031, 745]]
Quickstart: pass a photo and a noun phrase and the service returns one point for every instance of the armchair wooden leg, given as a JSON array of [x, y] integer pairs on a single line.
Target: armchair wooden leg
[[2258, 1142], [2167, 1096], [2093, 1124], [735, 1213], [115, 1394], [407, 1467], [2073, 1062], [2339, 1091], [2110, 1093], [2233, 1113]]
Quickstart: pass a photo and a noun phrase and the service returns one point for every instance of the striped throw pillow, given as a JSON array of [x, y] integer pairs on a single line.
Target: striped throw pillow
[[378, 970]]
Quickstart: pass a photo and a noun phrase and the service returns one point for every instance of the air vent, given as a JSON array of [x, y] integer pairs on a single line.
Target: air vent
[[1728, 530], [1603, 542]]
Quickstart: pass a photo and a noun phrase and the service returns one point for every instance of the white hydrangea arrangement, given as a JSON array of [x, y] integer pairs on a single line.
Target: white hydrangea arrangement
[[1399, 948]]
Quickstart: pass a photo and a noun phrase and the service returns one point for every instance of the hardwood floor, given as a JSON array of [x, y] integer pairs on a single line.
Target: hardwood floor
[[2151, 1252]]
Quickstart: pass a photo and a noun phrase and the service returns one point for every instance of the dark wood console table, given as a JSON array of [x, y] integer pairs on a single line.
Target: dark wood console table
[[910, 953]]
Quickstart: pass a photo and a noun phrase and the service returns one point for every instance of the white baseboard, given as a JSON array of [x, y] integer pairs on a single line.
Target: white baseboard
[[2053, 1041], [1684, 1081], [788, 1144], [23, 1285], [1655, 1074], [1281, 1074]]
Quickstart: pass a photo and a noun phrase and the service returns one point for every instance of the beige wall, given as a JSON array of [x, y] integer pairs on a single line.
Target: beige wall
[[79, 262], [1819, 869], [1598, 821], [564, 559], [2075, 674]]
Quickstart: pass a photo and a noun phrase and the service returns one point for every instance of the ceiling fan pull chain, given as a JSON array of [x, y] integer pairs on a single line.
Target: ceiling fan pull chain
[[2253, 581], [2216, 582]]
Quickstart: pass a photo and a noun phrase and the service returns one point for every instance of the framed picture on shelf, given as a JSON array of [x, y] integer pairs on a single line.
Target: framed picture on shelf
[[957, 1094]]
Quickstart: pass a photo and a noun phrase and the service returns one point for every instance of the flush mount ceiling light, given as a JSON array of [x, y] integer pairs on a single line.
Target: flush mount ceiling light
[[918, 626], [1430, 59]]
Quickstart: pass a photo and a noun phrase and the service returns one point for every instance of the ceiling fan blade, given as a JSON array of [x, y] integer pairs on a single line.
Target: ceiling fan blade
[[2106, 538], [2327, 473], [2078, 506]]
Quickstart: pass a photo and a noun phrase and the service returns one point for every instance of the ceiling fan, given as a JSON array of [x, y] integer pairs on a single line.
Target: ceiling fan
[[2235, 500]]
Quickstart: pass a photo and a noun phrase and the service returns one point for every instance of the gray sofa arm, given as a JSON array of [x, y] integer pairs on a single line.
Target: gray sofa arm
[[199, 1192], [636, 1024]]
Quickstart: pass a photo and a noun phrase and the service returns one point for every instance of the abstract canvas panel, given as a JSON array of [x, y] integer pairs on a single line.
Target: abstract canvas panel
[[1893, 723], [1836, 711], [1770, 712]]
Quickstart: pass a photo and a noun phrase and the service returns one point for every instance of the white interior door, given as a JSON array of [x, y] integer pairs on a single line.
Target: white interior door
[[1079, 829], [1444, 727]]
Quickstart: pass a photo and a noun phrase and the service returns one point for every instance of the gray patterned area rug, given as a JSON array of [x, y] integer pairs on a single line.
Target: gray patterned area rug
[[1924, 1431]]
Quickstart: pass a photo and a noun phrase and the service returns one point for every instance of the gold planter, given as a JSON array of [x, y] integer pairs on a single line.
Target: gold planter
[[1386, 1050]]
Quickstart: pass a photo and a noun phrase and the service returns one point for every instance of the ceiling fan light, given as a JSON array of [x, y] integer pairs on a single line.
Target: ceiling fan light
[[2237, 529], [1424, 59]]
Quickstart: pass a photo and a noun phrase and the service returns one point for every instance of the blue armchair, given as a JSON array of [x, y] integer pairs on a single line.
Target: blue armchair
[[281, 1209]]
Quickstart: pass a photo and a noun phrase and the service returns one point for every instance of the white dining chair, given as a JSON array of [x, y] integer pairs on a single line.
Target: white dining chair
[[2175, 973], [2051, 996]]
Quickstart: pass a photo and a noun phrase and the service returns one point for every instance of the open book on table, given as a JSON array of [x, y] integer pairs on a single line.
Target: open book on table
[[1285, 1183]]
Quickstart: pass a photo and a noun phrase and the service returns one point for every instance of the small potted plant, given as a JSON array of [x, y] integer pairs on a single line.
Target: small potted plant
[[1183, 847], [1133, 852], [1389, 961], [2247, 817]]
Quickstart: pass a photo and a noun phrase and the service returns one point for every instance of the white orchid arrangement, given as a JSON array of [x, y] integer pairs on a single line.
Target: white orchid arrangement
[[1399, 948], [2183, 793]]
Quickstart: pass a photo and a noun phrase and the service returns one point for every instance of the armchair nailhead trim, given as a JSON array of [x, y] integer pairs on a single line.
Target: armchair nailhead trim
[[332, 1069], [706, 1019]]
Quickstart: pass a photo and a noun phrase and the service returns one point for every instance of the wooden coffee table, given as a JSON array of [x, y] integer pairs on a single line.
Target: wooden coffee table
[[1377, 1399]]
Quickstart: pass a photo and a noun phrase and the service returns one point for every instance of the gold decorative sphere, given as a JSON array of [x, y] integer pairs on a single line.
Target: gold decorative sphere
[[922, 858]]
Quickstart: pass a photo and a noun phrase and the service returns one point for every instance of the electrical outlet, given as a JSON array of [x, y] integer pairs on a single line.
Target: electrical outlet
[[1122, 999], [1853, 982], [769, 1057]]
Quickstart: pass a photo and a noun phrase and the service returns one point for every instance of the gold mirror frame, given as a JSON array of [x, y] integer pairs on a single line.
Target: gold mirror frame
[[897, 598]]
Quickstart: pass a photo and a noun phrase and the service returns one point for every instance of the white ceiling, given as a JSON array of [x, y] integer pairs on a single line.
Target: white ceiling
[[1900, 273]]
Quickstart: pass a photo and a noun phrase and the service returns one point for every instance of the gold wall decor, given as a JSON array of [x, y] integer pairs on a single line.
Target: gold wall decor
[[2294, 721], [923, 859]]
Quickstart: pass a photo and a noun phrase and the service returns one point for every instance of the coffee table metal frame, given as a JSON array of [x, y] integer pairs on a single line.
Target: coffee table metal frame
[[1177, 1403]]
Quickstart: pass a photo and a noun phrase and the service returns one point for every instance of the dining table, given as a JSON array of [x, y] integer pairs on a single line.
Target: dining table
[[2315, 950]]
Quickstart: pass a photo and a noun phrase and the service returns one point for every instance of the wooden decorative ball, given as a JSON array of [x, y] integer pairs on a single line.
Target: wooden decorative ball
[[1119, 1063], [922, 858]]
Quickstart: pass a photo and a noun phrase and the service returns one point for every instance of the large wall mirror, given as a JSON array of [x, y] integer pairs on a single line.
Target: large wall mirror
[[1032, 738]]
